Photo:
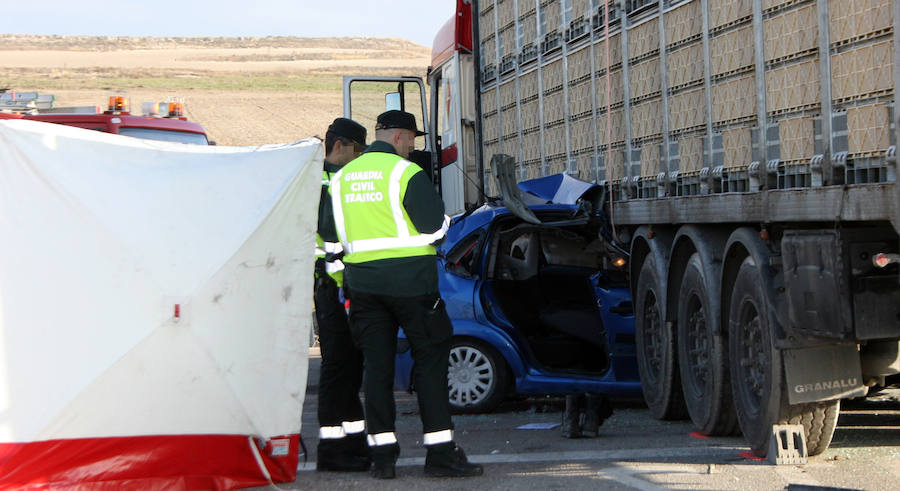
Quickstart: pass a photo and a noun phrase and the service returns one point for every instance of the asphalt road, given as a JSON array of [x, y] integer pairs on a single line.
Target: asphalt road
[[633, 451]]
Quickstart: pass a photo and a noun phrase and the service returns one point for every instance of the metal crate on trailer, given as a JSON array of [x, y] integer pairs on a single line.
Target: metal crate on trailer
[[555, 140], [734, 99], [792, 87], [554, 107], [684, 23], [729, 12], [553, 76], [508, 41], [850, 20], [616, 90], [684, 66], [556, 165], [650, 165], [687, 110], [796, 138], [533, 170], [869, 129], [581, 100], [528, 26], [506, 13], [690, 154], [486, 26], [643, 40], [737, 144], [508, 95], [862, 72], [579, 65], [731, 52], [510, 145], [528, 86], [509, 121], [491, 127], [615, 87], [615, 54], [586, 166], [531, 114], [791, 33], [489, 103], [614, 162], [581, 135], [646, 119], [616, 125], [531, 145], [550, 10], [489, 50], [580, 8], [644, 78]]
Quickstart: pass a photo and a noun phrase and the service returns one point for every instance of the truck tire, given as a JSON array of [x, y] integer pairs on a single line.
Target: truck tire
[[655, 345], [757, 377], [702, 356]]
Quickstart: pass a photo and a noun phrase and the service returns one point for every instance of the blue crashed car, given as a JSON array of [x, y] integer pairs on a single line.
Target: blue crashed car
[[538, 299]]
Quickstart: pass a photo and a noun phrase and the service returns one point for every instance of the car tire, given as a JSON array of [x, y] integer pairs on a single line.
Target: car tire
[[702, 356], [757, 375], [655, 346], [477, 377]]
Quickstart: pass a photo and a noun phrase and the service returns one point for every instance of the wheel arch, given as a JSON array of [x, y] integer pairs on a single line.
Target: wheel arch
[[742, 243], [507, 350], [709, 243], [655, 242]]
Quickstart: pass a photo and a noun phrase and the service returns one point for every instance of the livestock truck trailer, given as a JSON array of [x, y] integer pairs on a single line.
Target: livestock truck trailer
[[747, 149]]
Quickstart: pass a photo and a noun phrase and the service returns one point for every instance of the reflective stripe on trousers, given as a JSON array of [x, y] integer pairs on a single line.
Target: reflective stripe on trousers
[[380, 439], [437, 437]]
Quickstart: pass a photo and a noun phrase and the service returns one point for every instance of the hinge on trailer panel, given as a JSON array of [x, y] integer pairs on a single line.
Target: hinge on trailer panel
[[753, 176], [890, 156], [816, 170]]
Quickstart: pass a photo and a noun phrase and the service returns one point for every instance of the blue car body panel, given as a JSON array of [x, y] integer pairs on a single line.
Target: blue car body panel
[[470, 305]]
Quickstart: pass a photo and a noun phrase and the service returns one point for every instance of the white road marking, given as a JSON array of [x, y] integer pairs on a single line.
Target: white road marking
[[581, 455]]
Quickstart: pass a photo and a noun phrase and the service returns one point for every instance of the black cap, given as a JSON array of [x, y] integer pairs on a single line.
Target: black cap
[[397, 119], [349, 129]]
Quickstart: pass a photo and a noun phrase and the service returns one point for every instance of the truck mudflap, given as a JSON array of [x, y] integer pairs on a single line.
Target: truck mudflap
[[823, 373]]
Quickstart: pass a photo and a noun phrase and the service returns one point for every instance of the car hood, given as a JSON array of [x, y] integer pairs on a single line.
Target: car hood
[[561, 189]]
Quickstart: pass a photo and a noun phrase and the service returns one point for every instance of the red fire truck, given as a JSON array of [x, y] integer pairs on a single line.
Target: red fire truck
[[163, 121]]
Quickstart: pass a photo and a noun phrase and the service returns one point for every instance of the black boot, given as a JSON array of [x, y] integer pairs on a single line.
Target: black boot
[[337, 455], [570, 420], [448, 460], [358, 445], [596, 410], [384, 457]]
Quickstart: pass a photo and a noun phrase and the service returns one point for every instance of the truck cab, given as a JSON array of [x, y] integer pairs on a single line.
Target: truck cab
[[163, 121]]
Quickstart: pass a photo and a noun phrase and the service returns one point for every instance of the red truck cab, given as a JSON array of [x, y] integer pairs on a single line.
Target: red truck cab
[[162, 121]]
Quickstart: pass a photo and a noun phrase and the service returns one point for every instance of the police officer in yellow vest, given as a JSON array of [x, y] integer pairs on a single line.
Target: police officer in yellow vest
[[342, 439], [387, 215]]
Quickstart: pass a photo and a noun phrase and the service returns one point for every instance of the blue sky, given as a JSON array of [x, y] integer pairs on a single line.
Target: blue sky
[[414, 20]]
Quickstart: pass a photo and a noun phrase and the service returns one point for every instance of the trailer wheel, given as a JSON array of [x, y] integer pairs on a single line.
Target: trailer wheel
[[702, 357], [757, 376], [656, 348]]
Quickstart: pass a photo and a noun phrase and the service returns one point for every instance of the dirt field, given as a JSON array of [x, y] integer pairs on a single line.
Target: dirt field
[[245, 91]]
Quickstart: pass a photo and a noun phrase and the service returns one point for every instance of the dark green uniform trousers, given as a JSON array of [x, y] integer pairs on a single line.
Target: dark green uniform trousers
[[374, 320]]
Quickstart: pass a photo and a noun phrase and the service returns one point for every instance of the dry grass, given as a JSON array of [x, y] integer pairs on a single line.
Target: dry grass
[[245, 91]]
